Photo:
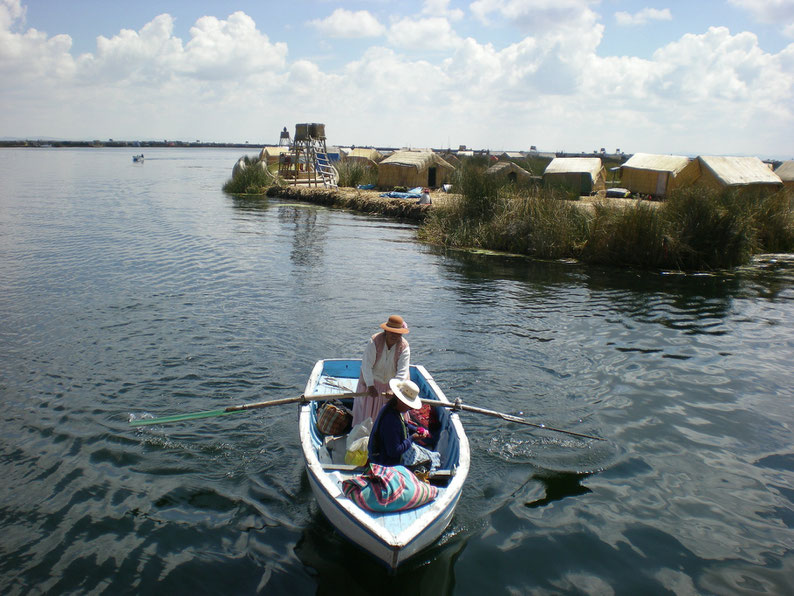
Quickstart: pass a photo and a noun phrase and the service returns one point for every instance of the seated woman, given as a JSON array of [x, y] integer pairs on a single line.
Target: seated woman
[[392, 438]]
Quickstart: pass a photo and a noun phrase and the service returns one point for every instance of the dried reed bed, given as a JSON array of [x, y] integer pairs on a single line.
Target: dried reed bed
[[365, 201]]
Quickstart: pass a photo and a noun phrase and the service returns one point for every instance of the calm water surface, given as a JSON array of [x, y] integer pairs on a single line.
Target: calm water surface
[[141, 289]]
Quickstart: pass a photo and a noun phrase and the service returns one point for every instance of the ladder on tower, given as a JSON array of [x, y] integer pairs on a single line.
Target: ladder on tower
[[323, 167]]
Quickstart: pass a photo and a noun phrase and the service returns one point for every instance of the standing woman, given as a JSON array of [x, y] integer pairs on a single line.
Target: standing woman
[[387, 356]]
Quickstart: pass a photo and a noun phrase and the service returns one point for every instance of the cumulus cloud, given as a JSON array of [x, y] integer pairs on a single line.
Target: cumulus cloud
[[543, 86], [643, 17], [219, 49], [423, 34], [30, 56], [348, 24], [770, 11], [536, 15], [440, 8]]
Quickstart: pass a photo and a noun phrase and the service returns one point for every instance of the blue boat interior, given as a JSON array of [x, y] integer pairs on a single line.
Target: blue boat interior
[[341, 376]]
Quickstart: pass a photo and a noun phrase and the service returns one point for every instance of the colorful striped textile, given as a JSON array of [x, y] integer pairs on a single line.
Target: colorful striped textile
[[388, 488]]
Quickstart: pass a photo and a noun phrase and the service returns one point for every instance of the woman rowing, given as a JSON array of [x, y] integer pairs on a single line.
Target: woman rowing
[[386, 357]]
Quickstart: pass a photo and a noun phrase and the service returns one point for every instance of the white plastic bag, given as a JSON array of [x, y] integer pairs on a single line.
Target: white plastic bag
[[358, 443]]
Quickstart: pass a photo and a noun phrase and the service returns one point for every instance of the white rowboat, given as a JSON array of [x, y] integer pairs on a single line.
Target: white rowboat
[[391, 537]]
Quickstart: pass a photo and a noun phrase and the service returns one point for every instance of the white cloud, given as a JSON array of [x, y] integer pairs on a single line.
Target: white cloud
[[643, 17], [770, 11], [706, 92], [225, 49], [536, 15], [423, 34], [348, 24], [10, 12], [441, 8], [30, 56], [219, 49]]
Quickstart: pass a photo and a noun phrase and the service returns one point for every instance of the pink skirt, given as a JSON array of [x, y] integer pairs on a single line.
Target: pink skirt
[[369, 407]]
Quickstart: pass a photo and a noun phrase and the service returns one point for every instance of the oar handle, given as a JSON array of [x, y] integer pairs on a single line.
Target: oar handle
[[457, 405]]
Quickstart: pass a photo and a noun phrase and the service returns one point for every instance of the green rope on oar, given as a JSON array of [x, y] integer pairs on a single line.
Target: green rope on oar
[[179, 417], [245, 408]]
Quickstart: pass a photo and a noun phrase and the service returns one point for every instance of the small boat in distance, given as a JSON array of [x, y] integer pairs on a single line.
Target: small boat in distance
[[137, 157], [390, 537]]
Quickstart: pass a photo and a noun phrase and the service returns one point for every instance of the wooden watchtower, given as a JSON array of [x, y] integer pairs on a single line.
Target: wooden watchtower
[[307, 162]]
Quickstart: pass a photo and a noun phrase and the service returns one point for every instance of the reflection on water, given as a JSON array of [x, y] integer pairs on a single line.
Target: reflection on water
[[339, 567], [558, 487], [151, 292]]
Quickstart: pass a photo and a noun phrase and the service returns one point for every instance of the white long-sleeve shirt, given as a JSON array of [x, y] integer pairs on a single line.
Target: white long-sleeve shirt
[[384, 369]]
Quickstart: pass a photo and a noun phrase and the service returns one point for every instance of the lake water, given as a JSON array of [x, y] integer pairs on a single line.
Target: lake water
[[141, 289]]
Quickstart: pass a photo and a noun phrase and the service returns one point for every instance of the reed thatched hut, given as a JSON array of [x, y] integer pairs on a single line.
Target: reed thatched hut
[[450, 158], [741, 173], [509, 171], [272, 154], [365, 155], [651, 174], [508, 155], [785, 172], [412, 168], [583, 175]]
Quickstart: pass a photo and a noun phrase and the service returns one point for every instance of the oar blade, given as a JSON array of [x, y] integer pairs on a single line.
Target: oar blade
[[180, 417]]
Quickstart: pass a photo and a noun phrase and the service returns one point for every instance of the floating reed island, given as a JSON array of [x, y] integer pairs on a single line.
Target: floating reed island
[[512, 208]]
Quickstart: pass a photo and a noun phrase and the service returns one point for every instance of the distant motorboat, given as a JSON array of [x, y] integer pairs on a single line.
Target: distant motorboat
[[137, 157]]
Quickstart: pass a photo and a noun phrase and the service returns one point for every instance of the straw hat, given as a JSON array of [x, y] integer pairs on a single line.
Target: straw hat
[[407, 392], [395, 324]]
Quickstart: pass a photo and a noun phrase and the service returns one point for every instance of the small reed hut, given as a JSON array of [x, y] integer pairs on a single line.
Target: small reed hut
[[364, 155], [412, 168], [785, 172], [656, 175], [271, 155], [741, 173], [450, 158], [582, 175], [509, 171]]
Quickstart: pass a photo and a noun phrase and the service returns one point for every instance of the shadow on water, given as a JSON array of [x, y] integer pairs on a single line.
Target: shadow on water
[[340, 567], [768, 276], [558, 486]]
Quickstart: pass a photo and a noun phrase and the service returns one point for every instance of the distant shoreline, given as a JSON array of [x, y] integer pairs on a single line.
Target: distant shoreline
[[39, 143]]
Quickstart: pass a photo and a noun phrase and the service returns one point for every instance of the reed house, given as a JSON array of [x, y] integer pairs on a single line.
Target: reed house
[[740, 173], [582, 175], [412, 168], [656, 175], [785, 172]]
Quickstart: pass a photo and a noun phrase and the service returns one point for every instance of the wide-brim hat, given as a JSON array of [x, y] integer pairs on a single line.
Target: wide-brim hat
[[407, 392], [395, 324]]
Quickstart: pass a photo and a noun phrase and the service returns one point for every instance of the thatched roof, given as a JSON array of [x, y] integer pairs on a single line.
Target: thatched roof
[[785, 171], [419, 159], [660, 163], [569, 165], [505, 167], [365, 152], [737, 171], [450, 158], [273, 152]]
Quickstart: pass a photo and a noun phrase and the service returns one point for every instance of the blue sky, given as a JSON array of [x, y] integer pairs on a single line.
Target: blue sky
[[696, 77]]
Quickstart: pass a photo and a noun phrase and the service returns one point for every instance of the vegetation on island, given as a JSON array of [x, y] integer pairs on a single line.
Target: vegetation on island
[[693, 229], [251, 176], [354, 173]]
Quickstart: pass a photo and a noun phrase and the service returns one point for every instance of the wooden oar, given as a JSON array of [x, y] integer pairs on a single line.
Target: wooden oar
[[243, 408], [457, 405]]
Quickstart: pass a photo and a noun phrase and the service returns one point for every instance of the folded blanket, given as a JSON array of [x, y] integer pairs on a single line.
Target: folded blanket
[[402, 195], [387, 489]]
